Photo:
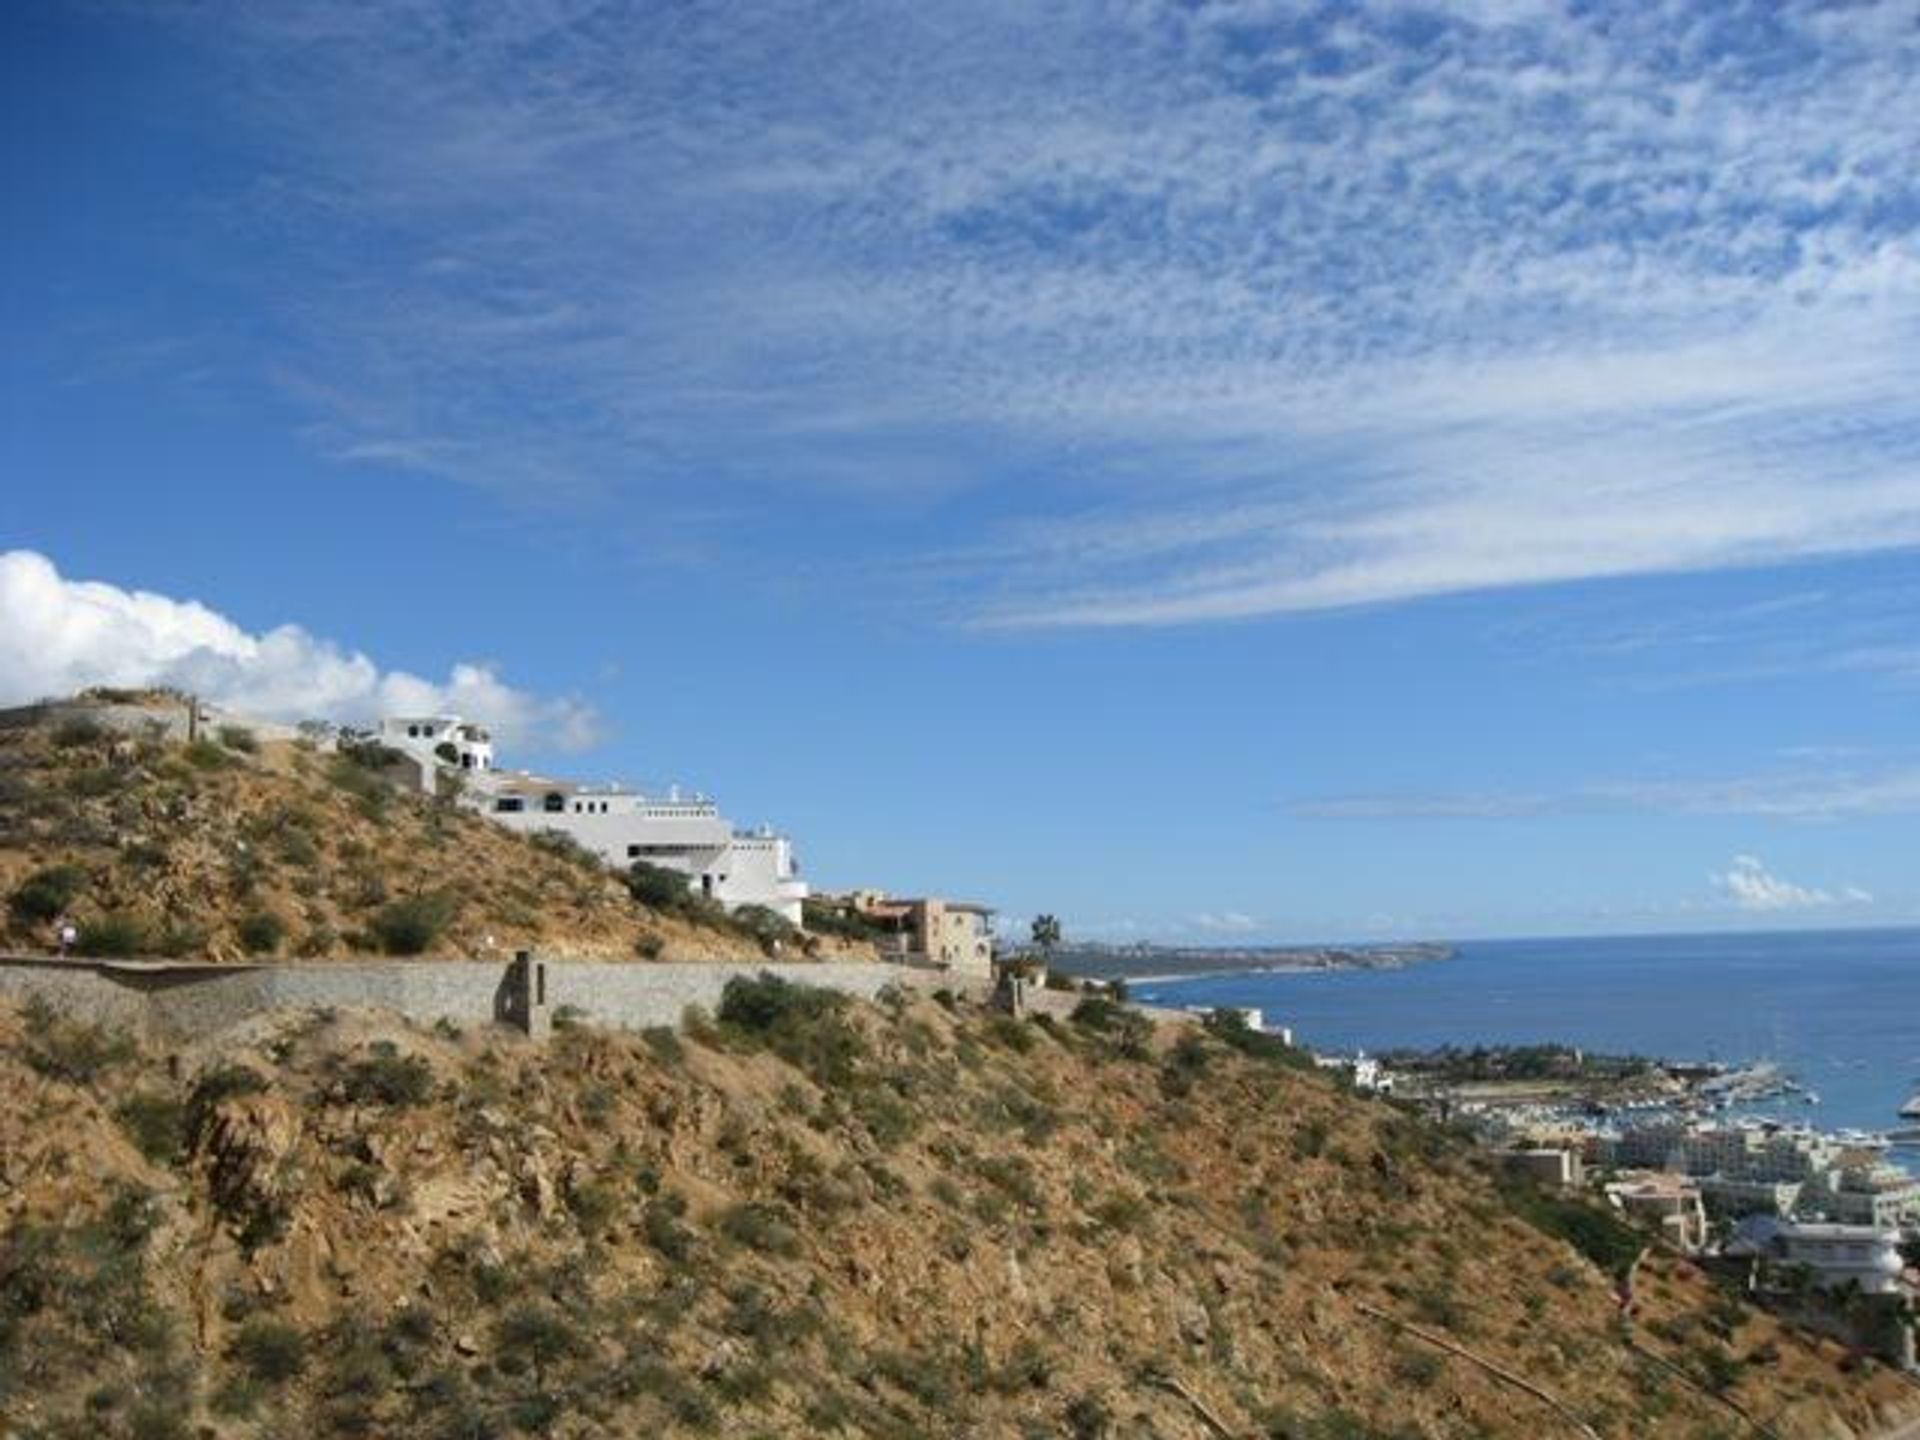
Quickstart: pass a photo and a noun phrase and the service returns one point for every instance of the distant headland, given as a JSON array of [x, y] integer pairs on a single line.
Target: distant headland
[[1141, 961]]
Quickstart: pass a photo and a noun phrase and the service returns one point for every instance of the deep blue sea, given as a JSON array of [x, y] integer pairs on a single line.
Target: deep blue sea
[[1839, 1010]]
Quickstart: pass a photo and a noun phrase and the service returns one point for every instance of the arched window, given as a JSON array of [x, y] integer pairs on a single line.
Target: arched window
[[555, 803]]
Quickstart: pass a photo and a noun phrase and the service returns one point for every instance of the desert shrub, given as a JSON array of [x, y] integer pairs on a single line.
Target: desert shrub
[[664, 1044], [77, 730], [113, 936], [1420, 1368], [157, 1125], [659, 887], [761, 1227], [409, 926], [663, 1228], [804, 1025], [271, 1351], [297, 848], [1087, 1418], [76, 1051], [1231, 1028], [1126, 1027], [362, 783], [648, 946], [262, 932], [828, 917], [368, 753], [238, 737], [1609, 1243], [205, 754], [569, 1017], [1010, 1034], [562, 846], [768, 928], [46, 893], [538, 1333], [386, 1077], [93, 782]]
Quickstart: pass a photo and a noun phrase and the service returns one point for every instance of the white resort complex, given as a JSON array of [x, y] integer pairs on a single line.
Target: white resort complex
[[734, 867]]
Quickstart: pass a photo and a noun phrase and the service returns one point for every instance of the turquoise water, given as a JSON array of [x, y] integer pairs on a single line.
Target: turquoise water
[[1839, 1010]]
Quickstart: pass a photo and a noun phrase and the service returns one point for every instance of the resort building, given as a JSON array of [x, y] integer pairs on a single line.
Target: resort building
[[1880, 1195], [1835, 1255], [941, 934], [1671, 1203], [732, 866]]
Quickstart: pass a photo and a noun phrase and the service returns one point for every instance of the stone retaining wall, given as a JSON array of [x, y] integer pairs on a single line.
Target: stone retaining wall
[[191, 1002]]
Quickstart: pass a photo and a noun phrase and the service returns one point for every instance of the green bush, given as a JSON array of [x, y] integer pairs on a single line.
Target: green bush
[[238, 737], [805, 1026], [1610, 1243], [386, 1077], [114, 936], [271, 1351], [409, 926], [658, 887], [1231, 1028], [157, 1125], [539, 1334], [46, 893], [78, 730], [205, 754], [648, 946], [262, 932], [768, 928], [761, 1227]]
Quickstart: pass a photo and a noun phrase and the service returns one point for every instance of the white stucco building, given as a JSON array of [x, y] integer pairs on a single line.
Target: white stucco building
[[442, 739], [735, 867], [1834, 1254]]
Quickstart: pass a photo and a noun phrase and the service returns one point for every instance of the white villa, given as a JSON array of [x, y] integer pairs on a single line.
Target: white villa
[[735, 867], [441, 739]]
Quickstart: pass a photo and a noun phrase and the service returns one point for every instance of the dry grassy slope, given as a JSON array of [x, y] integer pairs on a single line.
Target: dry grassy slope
[[189, 850], [977, 1228]]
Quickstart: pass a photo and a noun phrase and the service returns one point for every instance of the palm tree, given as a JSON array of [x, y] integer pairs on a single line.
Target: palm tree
[[1046, 935]]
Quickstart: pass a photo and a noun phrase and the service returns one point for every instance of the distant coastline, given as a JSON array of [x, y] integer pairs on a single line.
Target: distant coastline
[[1165, 964]]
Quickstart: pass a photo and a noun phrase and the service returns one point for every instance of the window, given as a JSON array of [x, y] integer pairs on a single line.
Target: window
[[633, 852], [555, 803], [414, 731], [509, 805]]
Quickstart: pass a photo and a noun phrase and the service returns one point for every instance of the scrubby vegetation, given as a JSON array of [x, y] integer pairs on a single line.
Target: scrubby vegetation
[[237, 847], [808, 1216]]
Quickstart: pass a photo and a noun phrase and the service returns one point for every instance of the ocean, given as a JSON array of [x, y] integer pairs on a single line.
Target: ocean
[[1838, 1010]]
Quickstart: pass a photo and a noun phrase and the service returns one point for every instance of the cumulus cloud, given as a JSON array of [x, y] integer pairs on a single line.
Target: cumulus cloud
[[60, 635], [1751, 886]]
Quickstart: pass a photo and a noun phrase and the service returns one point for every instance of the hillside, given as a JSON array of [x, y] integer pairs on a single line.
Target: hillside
[[232, 846], [813, 1218]]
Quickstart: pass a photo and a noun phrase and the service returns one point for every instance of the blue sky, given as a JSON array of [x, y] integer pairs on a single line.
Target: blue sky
[[1211, 471]]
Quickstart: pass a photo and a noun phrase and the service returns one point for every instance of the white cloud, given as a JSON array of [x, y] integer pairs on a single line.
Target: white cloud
[[1801, 795], [61, 635], [1225, 922], [1298, 313], [1751, 886]]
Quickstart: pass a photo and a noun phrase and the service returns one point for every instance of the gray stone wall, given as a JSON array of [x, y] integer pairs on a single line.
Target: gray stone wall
[[193, 1002]]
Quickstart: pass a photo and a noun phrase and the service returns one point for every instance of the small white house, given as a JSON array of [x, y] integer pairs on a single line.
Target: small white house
[[439, 739]]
